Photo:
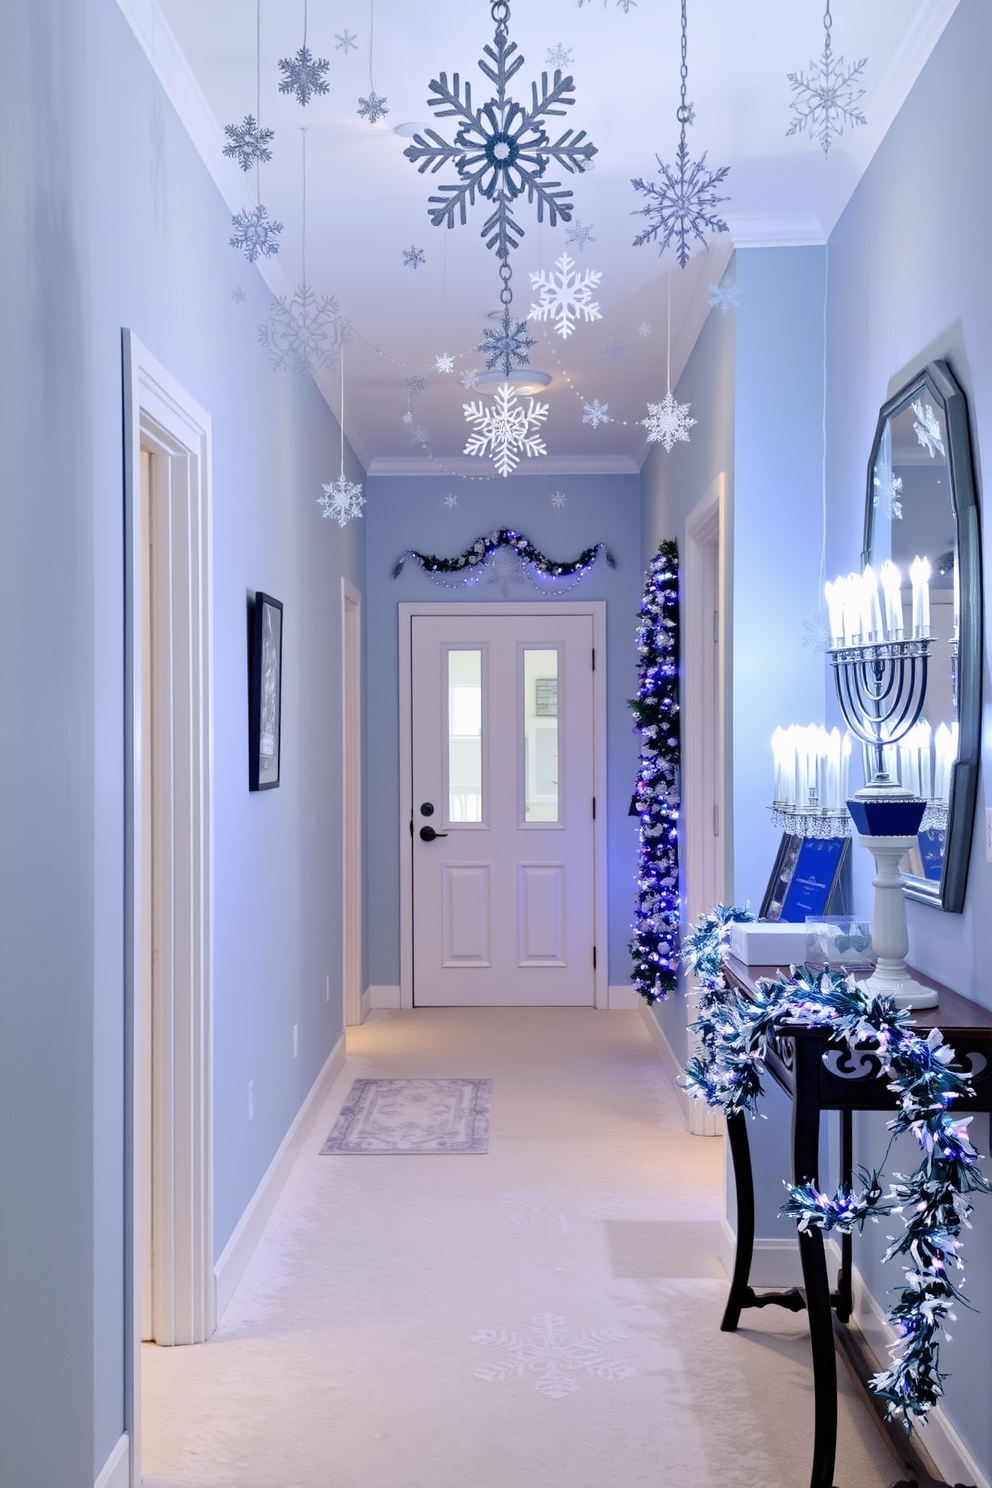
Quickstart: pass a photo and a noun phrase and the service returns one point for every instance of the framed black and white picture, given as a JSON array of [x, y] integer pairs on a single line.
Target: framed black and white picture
[[265, 693]]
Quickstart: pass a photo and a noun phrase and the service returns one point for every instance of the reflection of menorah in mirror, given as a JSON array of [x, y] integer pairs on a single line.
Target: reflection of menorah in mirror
[[881, 689]]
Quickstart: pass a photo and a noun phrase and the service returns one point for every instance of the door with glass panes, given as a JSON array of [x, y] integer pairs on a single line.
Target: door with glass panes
[[503, 810]]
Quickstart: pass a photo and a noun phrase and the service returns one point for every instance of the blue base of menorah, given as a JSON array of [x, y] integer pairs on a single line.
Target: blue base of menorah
[[875, 816]]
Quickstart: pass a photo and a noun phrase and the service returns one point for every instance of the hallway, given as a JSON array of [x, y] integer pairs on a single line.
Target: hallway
[[350, 1356]]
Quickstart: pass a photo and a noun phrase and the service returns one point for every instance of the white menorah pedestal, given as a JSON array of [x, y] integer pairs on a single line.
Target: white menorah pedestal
[[889, 935]]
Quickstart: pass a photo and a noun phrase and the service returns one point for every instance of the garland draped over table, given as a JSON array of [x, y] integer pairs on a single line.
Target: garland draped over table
[[655, 943], [734, 1031], [534, 563]]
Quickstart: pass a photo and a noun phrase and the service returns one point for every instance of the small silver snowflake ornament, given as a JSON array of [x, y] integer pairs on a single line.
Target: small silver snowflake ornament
[[372, 108], [682, 206], [255, 234], [578, 234], [565, 296], [614, 351], [668, 422], [345, 41], [470, 377], [418, 434], [304, 332], [559, 56], [238, 295], [927, 428], [825, 100], [413, 257], [644, 330], [415, 384], [725, 295], [595, 413], [444, 363], [508, 346], [558, 499], [342, 501], [504, 430], [303, 75], [248, 143], [450, 500]]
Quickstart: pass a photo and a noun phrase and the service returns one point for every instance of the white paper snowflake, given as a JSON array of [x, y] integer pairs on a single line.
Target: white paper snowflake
[[408, 417], [470, 377], [342, 501], [450, 500], [303, 75], [683, 205], [345, 41], [559, 56], [504, 430], [551, 1354], [508, 346], [444, 363], [255, 234], [725, 295], [565, 296], [303, 333], [372, 108], [578, 234], [668, 422], [888, 491], [415, 384], [927, 428], [413, 257], [595, 413], [825, 101], [418, 434], [238, 295], [614, 351], [248, 142], [558, 499], [644, 329]]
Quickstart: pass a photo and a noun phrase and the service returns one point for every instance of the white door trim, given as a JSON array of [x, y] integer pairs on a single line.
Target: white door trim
[[596, 608], [160, 415], [351, 800]]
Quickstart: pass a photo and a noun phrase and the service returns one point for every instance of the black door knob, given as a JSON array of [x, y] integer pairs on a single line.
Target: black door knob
[[427, 834]]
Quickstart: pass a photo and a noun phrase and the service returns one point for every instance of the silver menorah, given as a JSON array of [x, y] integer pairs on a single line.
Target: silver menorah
[[881, 688]]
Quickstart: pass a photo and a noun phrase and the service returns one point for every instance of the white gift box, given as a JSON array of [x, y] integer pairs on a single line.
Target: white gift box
[[768, 943]]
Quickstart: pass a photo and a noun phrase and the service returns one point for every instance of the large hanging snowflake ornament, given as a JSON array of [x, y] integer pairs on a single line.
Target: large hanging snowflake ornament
[[504, 430], [507, 346], [927, 428], [372, 108], [304, 332], [565, 297], [255, 234], [682, 206], [501, 150], [825, 100], [342, 500], [248, 143], [303, 75], [668, 422]]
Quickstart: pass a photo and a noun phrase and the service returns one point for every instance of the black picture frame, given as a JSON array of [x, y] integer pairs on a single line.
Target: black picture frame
[[808, 878], [265, 623]]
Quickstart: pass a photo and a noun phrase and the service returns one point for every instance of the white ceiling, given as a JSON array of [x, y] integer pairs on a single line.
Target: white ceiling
[[366, 202]]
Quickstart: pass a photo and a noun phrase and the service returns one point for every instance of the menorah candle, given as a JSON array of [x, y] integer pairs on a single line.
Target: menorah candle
[[891, 581], [871, 610], [852, 609], [945, 747], [919, 573], [835, 608]]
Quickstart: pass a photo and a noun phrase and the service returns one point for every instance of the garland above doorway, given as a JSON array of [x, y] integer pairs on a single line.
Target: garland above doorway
[[506, 557]]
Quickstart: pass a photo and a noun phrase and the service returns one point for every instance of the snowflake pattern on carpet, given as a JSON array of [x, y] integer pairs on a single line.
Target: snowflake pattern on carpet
[[825, 100], [614, 351], [644, 330], [372, 108], [558, 499], [565, 296], [450, 500], [558, 56], [668, 422], [255, 234], [470, 377], [444, 363], [553, 1355], [415, 384], [342, 501], [561, 1209], [507, 347], [248, 142], [303, 75], [888, 491], [345, 41], [578, 234], [413, 257], [595, 413], [927, 428], [725, 295], [304, 332], [238, 295], [502, 150], [504, 430], [683, 204]]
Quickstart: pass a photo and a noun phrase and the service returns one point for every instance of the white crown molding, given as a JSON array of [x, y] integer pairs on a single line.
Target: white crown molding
[[436, 467], [776, 229]]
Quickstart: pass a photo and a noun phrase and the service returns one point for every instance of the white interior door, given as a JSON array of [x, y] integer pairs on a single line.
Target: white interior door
[[503, 810]]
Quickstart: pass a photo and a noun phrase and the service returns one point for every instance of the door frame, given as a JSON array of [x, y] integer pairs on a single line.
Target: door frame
[[351, 801], [596, 610], [161, 416]]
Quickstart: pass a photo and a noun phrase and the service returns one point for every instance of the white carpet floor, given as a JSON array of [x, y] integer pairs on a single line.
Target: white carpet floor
[[544, 1316]]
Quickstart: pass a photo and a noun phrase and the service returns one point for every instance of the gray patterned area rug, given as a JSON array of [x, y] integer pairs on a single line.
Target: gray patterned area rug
[[387, 1117]]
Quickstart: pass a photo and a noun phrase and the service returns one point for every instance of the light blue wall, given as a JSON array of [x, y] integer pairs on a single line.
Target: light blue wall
[[410, 513], [110, 220]]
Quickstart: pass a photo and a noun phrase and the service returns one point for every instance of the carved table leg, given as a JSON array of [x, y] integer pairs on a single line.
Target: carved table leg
[[742, 1294], [805, 1169]]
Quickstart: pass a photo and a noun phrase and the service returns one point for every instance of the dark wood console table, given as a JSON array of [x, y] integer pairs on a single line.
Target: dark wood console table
[[818, 1076]]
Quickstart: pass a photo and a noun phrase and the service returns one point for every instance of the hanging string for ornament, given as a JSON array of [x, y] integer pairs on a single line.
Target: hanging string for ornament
[[304, 74], [444, 363], [825, 101], [342, 499], [668, 422], [248, 143], [372, 108], [682, 206]]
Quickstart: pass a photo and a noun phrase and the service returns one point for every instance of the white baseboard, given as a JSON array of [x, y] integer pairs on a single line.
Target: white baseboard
[[383, 997], [700, 1120], [116, 1471], [775, 1262], [248, 1231], [626, 998], [366, 1003]]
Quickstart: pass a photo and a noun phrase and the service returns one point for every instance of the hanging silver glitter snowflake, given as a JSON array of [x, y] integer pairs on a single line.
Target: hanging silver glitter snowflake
[[304, 332], [668, 422], [248, 143], [565, 296], [450, 500], [725, 295], [683, 204], [345, 41], [372, 108], [888, 491], [504, 430], [507, 347], [614, 351], [558, 499], [927, 428], [413, 257], [415, 384], [595, 413], [825, 101], [558, 56], [578, 235], [444, 363], [303, 75], [342, 501], [502, 150], [255, 234]]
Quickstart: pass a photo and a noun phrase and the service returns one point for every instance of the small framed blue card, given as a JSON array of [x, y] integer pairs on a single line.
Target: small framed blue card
[[807, 878]]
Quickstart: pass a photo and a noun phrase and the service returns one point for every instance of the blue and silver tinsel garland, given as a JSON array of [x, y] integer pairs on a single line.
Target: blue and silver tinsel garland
[[655, 943], [734, 1031]]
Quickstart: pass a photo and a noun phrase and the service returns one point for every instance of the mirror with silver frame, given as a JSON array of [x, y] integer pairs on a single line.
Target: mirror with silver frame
[[921, 502]]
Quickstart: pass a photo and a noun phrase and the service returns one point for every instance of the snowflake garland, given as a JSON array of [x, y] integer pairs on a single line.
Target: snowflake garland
[[345, 41], [507, 347], [927, 428], [504, 430], [825, 100], [303, 75], [248, 143], [668, 422], [550, 1353], [565, 297], [342, 501], [595, 413], [683, 205], [304, 332], [255, 234], [372, 108], [578, 234], [444, 363], [725, 295], [413, 257]]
